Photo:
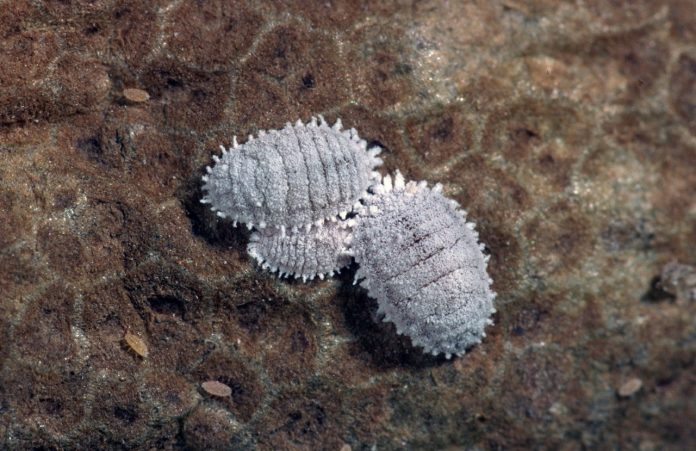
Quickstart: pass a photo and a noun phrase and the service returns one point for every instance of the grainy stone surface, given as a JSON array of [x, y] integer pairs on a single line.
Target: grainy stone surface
[[566, 129]]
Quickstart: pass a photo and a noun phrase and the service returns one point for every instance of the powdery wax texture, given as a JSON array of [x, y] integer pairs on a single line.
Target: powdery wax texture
[[422, 261], [306, 254], [300, 175]]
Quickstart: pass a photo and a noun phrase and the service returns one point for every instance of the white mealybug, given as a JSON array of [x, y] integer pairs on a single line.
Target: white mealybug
[[292, 178], [422, 261], [319, 252]]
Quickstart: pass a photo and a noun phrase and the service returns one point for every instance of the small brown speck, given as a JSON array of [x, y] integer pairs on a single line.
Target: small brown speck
[[630, 387], [137, 344], [136, 95], [216, 388], [346, 447], [516, 6]]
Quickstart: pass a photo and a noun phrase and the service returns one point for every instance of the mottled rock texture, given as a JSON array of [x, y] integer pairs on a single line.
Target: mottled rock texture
[[566, 129]]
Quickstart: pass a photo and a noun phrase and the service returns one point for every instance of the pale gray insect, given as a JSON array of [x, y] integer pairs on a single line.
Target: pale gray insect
[[319, 252], [291, 178], [422, 261]]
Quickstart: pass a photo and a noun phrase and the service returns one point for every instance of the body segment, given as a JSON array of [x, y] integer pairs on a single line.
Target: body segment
[[307, 254]]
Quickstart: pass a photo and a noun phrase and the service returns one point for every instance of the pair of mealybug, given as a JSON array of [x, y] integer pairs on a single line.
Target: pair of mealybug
[[313, 195]]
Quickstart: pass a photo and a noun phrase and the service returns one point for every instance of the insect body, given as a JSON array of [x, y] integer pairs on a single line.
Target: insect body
[[295, 177], [423, 263], [301, 253], [418, 255]]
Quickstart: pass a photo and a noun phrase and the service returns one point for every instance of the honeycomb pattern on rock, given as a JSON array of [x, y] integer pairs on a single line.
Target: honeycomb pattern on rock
[[565, 128]]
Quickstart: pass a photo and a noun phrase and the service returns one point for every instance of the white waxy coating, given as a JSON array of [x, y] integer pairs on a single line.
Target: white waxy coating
[[295, 177], [321, 251], [423, 263]]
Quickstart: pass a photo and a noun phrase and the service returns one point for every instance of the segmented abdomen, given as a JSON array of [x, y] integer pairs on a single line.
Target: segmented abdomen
[[422, 261], [321, 251], [294, 177]]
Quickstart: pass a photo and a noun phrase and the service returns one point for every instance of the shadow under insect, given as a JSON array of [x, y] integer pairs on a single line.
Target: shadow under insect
[[375, 338], [205, 223]]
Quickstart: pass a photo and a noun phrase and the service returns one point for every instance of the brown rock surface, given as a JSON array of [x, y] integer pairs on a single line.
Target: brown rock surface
[[566, 129]]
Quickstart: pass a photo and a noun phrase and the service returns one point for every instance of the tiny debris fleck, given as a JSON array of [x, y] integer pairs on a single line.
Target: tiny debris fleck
[[630, 387], [216, 388], [137, 344], [136, 95], [345, 447]]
